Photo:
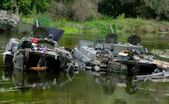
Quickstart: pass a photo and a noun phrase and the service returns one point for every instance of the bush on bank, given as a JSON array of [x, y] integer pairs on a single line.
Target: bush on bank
[[102, 26]]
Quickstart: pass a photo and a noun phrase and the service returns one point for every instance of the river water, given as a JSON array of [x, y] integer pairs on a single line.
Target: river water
[[86, 87]]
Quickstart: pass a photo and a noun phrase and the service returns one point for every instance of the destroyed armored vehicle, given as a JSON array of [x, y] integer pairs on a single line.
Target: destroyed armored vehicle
[[33, 55], [116, 56], [87, 50]]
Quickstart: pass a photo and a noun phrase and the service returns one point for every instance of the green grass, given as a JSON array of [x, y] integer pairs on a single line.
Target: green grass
[[102, 26]]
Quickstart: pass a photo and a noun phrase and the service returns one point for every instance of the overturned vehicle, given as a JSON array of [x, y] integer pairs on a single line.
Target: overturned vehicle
[[111, 55], [33, 55]]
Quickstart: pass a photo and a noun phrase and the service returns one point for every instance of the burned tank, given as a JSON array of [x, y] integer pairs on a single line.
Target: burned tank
[[97, 56], [111, 55], [34, 55]]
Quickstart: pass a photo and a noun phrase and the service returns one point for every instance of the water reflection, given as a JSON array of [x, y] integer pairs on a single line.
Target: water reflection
[[40, 80], [107, 82], [119, 101], [82, 88], [26, 80], [110, 81], [131, 86]]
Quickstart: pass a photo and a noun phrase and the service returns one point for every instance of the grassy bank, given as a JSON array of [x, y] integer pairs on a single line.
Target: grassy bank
[[122, 25]]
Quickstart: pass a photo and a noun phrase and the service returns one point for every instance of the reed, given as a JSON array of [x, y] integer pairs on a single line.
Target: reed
[[121, 25]]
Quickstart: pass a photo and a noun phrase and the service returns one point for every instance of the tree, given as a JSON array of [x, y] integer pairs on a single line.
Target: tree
[[24, 6], [20, 5], [5, 4], [131, 8], [110, 7], [85, 9], [40, 5], [161, 7], [117, 7], [78, 10]]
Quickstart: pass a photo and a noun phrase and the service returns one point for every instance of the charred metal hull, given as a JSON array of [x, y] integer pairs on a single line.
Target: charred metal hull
[[135, 67], [21, 59], [115, 57], [35, 65], [8, 65]]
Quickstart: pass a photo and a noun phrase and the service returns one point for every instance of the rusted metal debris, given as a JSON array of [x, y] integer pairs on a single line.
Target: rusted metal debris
[[120, 57], [95, 56], [155, 77], [25, 56]]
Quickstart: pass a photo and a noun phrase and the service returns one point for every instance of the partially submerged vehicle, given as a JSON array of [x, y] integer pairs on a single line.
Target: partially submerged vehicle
[[112, 55], [36, 54], [87, 50]]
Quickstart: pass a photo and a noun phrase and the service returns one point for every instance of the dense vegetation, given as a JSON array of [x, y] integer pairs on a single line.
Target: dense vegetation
[[81, 10], [102, 26], [24, 6], [94, 15]]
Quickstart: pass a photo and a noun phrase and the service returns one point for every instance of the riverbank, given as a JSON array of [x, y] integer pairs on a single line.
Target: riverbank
[[121, 25]]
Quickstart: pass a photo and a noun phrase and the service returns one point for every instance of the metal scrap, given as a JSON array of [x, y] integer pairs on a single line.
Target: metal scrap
[[153, 77]]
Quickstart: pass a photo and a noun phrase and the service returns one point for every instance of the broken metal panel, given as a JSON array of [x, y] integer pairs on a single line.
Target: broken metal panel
[[34, 58], [19, 77], [84, 53], [12, 45], [18, 64], [125, 46], [18, 61], [48, 32], [132, 55], [152, 77], [95, 44]]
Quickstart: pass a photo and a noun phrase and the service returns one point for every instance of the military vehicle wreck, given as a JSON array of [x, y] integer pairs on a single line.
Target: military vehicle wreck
[[34, 55], [111, 55], [40, 53]]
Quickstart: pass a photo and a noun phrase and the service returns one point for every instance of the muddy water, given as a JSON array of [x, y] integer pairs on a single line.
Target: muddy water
[[86, 87]]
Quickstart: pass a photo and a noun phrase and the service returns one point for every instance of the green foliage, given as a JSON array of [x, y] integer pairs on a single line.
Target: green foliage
[[24, 6], [107, 6], [40, 5], [82, 10], [76, 10], [64, 1], [5, 4], [44, 19], [102, 26], [130, 8], [122, 16], [160, 7]]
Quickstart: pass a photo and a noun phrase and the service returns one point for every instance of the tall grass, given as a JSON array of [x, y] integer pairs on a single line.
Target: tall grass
[[44, 20], [102, 26]]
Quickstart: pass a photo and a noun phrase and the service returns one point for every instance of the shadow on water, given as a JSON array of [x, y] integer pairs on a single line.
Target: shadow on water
[[83, 88]]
